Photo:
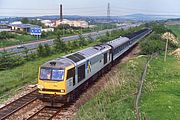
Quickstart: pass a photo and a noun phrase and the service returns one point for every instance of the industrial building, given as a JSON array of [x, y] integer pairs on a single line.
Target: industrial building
[[5, 27], [78, 23], [32, 29]]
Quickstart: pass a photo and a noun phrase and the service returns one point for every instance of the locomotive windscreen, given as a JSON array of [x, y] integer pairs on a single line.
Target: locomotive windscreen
[[51, 74]]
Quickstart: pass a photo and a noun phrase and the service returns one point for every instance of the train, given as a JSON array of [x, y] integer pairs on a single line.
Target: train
[[64, 78]]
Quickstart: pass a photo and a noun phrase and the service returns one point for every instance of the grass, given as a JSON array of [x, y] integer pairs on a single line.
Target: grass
[[175, 29], [161, 98], [19, 39], [109, 104], [17, 77]]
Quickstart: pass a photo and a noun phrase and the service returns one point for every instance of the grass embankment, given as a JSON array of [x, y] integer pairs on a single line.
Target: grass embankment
[[115, 101], [17, 77], [175, 29], [161, 97]]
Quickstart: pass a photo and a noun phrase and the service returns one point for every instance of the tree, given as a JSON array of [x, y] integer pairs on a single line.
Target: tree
[[104, 39], [26, 50], [107, 34], [47, 49], [90, 39], [41, 51], [63, 26], [6, 35], [60, 45], [75, 44], [82, 41], [25, 20]]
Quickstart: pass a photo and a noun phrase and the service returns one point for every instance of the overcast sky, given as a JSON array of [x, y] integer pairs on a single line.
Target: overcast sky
[[88, 7]]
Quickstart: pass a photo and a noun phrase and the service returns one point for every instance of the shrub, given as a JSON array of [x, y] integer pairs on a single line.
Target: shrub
[[154, 43], [47, 49], [7, 62], [6, 35], [41, 51], [151, 45], [60, 45]]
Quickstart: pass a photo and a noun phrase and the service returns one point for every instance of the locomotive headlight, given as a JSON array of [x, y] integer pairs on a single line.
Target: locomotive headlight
[[62, 91], [40, 87]]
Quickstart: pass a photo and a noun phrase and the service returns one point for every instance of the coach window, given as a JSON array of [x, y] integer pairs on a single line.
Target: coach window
[[71, 74], [81, 72]]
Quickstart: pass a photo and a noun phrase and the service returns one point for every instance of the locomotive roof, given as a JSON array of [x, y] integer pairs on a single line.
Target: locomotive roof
[[119, 41], [75, 57], [58, 63], [93, 50], [86, 53]]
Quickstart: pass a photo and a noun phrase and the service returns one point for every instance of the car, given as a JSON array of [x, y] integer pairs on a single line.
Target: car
[[20, 46]]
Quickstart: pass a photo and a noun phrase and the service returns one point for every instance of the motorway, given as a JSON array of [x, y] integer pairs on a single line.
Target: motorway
[[34, 45]]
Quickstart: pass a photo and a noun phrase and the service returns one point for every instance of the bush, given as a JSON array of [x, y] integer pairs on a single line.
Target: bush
[[7, 62], [82, 41], [41, 51], [60, 45], [6, 35], [47, 49], [154, 43]]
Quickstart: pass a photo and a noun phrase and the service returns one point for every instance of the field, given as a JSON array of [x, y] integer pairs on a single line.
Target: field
[[175, 29], [161, 96]]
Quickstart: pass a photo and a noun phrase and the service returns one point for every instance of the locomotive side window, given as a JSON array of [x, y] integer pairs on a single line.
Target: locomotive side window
[[105, 58], [81, 72], [70, 74]]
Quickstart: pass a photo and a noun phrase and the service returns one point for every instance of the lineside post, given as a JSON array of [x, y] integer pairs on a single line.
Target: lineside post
[[165, 56]]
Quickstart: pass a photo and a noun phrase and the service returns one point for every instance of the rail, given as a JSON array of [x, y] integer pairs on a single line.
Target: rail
[[18, 104], [47, 113]]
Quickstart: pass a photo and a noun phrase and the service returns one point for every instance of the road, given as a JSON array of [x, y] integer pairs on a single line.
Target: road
[[34, 45]]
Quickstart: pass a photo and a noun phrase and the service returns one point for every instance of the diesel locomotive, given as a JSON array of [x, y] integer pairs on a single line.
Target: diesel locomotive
[[63, 78]]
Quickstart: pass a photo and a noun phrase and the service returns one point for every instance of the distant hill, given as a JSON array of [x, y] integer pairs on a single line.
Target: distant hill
[[132, 17], [145, 17]]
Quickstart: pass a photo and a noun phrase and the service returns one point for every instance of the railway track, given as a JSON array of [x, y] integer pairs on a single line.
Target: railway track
[[47, 113], [18, 104]]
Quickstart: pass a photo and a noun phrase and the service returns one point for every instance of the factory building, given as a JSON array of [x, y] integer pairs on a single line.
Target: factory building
[[32, 29], [78, 23]]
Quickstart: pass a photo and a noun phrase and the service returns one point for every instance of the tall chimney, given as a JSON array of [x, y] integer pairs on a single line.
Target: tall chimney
[[61, 13]]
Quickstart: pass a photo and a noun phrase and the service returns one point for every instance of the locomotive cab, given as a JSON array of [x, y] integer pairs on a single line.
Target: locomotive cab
[[52, 77]]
